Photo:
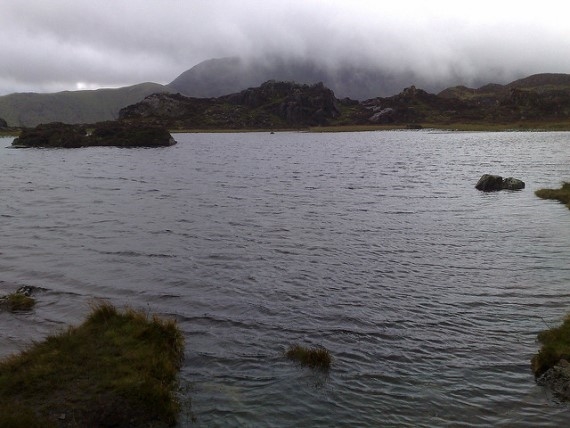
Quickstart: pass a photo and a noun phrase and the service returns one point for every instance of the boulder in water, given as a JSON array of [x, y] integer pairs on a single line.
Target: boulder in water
[[493, 183], [511, 183]]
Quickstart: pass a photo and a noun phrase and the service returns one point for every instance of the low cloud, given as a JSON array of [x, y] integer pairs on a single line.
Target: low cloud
[[56, 45]]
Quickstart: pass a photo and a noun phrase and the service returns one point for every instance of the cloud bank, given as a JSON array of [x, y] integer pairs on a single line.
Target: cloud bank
[[67, 45]]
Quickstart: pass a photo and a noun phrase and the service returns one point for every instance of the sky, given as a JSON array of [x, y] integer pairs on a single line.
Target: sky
[[49, 46]]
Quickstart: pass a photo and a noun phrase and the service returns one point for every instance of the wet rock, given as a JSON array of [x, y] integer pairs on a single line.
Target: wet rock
[[557, 379], [490, 183], [511, 183], [494, 183]]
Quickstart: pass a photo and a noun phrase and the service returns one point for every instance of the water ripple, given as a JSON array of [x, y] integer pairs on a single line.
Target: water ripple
[[375, 245]]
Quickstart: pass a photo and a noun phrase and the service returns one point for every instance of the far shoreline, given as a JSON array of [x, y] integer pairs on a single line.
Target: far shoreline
[[452, 127], [563, 126]]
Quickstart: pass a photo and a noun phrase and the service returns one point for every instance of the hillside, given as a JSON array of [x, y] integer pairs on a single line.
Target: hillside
[[291, 105], [271, 105], [31, 109], [541, 97]]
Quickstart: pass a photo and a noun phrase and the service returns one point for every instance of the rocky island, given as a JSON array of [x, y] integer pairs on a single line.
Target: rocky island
[[111, 133]]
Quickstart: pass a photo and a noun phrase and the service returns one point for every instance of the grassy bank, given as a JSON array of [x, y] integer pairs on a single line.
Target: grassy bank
[[555, 346], [116, 369], [562, 194], [555, 341]]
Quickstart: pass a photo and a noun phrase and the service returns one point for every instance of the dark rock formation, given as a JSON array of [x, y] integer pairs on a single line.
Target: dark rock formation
[[102, 134], [493, 183], [271, 105], [3, 123]]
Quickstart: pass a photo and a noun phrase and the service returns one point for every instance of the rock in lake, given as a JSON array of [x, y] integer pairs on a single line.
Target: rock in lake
[[511, 183], [494, 183], [112, 133]]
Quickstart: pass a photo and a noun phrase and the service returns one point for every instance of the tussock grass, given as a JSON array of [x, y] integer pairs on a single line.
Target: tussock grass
[[319, 358], [562, 194], [116, 369], [555, 346], [17, 302]]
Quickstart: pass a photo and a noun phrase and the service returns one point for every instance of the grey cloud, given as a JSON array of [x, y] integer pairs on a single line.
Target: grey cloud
[[53, 45]]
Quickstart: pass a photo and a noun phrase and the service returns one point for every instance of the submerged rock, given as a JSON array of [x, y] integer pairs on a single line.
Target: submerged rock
[[557, 379], [493, 183], [119, 134]]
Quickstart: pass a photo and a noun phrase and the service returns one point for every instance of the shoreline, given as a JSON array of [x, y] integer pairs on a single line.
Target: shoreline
[[455, 127], [562, 126]]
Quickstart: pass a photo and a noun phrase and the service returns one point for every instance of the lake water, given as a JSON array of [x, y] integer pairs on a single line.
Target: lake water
[[376, 245]]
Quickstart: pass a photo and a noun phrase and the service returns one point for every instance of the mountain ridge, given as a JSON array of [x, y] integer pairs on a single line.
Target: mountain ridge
[[221, 76], [289, 105], [74, 107]]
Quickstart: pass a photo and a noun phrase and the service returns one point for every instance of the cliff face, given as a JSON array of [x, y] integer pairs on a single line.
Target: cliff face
[[272, 105]]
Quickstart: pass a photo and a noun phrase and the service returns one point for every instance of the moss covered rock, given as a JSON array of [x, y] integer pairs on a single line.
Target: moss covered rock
[[111, 133]]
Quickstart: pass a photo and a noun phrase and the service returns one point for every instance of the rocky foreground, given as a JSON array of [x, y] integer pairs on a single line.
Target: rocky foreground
[[115, 133]]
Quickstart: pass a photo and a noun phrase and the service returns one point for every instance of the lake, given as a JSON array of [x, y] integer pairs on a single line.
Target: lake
[[376, 245]]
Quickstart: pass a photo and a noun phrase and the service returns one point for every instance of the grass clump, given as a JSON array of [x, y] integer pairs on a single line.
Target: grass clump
[[316, 358], [116, 369], [17, 302], [562, 194], [555, 346]]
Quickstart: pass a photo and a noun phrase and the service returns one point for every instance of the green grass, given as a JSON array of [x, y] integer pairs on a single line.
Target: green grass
[[555, 346], [116, 369], [562, 194], [16, 302], [319, 358]]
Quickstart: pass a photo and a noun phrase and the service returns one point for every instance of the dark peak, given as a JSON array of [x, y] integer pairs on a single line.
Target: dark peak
[[543, 79]]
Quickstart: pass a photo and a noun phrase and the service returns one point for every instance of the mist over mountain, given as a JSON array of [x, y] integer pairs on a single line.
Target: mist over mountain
[[221, 76], [218, 77]]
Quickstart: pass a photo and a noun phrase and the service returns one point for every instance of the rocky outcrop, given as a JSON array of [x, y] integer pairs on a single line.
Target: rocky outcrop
[[271, 105], [493, 183], [101, 134], [3, 123]]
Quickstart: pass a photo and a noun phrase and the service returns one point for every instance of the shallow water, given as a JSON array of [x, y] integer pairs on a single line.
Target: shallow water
[[376, 245]]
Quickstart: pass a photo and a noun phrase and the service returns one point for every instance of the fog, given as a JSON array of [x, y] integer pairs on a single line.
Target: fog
[[67, 45]]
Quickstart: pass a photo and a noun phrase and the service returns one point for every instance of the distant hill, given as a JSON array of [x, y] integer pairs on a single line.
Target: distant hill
[[540, 99], [217, 77], [537, 96], [31, 109]]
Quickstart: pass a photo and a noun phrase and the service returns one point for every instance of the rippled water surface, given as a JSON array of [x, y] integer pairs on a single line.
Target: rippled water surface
[[428, 293]]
